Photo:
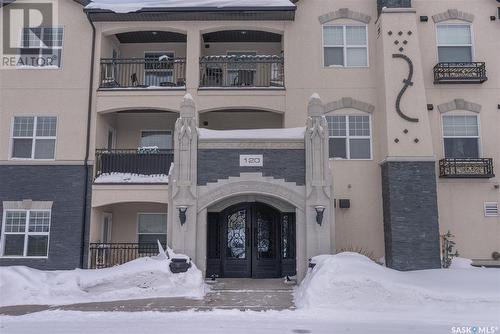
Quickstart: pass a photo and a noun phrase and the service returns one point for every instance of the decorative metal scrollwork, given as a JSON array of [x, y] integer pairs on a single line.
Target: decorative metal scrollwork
[[407, 82]]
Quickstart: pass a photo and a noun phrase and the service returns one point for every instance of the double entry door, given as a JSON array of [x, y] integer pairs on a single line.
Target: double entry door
[[251, 241]]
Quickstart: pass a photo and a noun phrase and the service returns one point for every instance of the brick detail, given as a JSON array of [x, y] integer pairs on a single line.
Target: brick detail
[[344, 13], [64, 186], [411, 227], [216, 164], [349, 102], [459, 104], [453, 14]]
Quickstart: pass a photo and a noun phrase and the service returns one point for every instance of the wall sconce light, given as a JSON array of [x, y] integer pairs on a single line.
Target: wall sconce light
[[320, 209], [182, 214]]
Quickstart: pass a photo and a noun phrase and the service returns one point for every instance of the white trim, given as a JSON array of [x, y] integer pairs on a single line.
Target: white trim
[[348, 137], [108, 215], [493, 204], [461, 113], [150, 213], [33, 138], [344, 46], [26, 233], [472, 46], [60, 67]]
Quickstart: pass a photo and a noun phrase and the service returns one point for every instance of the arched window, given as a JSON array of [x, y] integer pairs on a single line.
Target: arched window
[[345, 45]]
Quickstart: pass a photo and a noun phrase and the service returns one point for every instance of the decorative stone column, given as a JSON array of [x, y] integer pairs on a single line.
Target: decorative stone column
[[318, 182], [409, 193], [182, 182]]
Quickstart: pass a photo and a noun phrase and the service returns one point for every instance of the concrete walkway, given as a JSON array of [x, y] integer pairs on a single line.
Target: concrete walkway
[[242, 294]]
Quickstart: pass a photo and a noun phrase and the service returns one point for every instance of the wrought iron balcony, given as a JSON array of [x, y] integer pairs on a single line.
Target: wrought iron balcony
[[242, 72], [133, 161], [142, 73], [105, 255], [466, 168], [454, 73]]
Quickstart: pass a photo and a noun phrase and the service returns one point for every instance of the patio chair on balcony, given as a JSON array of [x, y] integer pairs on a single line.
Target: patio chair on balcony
[[244, 78], [213, 76]]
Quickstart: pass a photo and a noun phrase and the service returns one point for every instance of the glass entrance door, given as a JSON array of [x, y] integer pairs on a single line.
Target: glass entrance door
[[251, 241]]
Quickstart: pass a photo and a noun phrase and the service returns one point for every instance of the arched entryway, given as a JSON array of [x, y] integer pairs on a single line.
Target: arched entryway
[[251, 239]]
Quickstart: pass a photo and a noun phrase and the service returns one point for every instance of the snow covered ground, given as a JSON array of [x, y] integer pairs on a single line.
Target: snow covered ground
[[344, 293], [142, 278]]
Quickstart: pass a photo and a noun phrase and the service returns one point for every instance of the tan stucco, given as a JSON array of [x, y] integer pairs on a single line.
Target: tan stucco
[[64, 93]]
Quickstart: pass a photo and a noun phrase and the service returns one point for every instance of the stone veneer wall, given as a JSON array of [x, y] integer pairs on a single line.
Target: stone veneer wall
[[411, 227], [216, 164], [64, 186]]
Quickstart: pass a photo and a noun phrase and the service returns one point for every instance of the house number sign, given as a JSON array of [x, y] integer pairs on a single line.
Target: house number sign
[[253, 160]]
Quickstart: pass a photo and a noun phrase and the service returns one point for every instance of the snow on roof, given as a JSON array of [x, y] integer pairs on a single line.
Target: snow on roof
[[129, 6], [263, 134]]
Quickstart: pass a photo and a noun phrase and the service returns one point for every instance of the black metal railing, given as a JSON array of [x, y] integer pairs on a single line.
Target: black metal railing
[[242, 71], [472, 72], [133, 161], [466, 168], [142, 73], [105, 255]]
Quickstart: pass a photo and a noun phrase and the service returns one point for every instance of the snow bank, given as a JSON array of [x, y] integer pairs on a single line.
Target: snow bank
[[147, 277], [461, 263], [352, 281], [128, 6], [131, 178], [288, 133]]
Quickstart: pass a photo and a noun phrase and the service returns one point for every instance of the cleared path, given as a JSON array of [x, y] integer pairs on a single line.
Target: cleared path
[[241, 294]]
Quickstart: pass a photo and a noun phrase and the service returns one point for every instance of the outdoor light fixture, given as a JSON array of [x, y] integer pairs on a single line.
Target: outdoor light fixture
[[182, 214], [320, 209]]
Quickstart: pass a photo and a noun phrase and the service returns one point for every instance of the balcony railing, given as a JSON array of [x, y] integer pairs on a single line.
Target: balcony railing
[[242, 71], [446, 73], [142, 73], [133, 161], [466, 168], [105, 255]]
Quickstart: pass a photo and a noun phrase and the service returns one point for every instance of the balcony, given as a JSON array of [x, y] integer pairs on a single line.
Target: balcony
[[244, 71], [105, 255], [466, 168], [143, 73], [133, 165], [460, 73]]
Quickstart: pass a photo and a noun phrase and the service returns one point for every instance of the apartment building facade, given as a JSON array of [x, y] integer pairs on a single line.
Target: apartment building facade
[[253, 135]]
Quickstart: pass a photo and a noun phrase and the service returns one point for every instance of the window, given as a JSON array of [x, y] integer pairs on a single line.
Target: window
[[156, 138], [41, 47], [350, 137], [345, 45], [158, 68], [151, 227], [34, 137], [491, 209], [454, 43], [461, 136], [26, 233]]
